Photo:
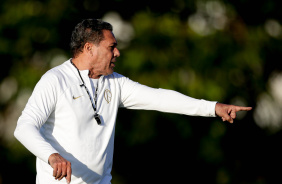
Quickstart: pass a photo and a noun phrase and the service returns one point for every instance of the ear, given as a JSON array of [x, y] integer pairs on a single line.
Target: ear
[[88, 47]]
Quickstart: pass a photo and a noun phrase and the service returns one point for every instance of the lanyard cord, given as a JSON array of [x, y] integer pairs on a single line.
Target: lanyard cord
[[95, 96]]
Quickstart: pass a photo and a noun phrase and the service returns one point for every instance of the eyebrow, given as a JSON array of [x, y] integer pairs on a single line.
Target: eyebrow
[[114, 44]]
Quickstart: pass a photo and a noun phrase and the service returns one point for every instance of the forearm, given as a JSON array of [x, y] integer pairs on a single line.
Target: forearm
[[28, 134], [175, 102]]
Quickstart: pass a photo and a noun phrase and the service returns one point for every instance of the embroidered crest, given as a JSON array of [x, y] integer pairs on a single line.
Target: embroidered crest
[[108, 95]]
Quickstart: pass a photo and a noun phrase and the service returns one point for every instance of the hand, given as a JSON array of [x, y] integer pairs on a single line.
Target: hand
[[228, 112], [61, 167]]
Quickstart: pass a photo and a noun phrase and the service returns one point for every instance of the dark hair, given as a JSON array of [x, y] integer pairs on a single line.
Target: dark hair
[[89, 30]]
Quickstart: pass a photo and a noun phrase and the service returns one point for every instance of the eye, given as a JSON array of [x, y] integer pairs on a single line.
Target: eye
[[112, 47]]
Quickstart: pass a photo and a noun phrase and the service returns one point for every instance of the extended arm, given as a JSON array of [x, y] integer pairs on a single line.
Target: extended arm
[[137, 96]]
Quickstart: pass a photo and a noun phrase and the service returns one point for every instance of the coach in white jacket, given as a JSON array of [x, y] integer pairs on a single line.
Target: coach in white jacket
[[69, 120]]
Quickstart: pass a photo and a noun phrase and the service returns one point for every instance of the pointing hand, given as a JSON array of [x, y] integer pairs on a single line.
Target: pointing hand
[[228, 112]]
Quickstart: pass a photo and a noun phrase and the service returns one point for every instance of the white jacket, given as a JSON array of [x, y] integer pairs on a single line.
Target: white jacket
[[58, 118]]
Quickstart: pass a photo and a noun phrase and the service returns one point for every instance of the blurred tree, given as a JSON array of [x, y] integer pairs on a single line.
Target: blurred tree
[[217, 50]]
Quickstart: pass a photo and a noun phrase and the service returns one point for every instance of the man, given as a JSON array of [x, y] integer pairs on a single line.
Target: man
[[69, 120]]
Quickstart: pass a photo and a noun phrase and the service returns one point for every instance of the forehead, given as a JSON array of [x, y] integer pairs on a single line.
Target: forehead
[[109, 37]]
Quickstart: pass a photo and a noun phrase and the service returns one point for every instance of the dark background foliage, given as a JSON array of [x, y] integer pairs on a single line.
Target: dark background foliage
[[219, 50]]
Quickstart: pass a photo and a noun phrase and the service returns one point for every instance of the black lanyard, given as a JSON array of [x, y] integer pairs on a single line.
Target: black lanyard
[[96, 115]]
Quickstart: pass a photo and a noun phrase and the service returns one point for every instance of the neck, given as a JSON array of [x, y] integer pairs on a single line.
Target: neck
[[92, 75], [78, 62], [80, 65]]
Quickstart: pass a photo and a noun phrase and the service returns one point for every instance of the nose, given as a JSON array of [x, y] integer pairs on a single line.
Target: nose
[[116, 53]]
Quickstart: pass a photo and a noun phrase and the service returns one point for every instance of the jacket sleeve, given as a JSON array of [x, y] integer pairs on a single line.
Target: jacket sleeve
[[137, 96], [37, 110]]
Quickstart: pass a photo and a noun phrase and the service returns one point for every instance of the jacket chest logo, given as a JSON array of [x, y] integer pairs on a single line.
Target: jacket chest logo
[[76, 97], [108, 95]]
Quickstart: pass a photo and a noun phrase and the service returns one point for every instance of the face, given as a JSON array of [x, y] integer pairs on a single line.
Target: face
[[103, 56]]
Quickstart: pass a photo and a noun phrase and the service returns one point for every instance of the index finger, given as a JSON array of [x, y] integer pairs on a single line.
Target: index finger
[[240, 108]]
